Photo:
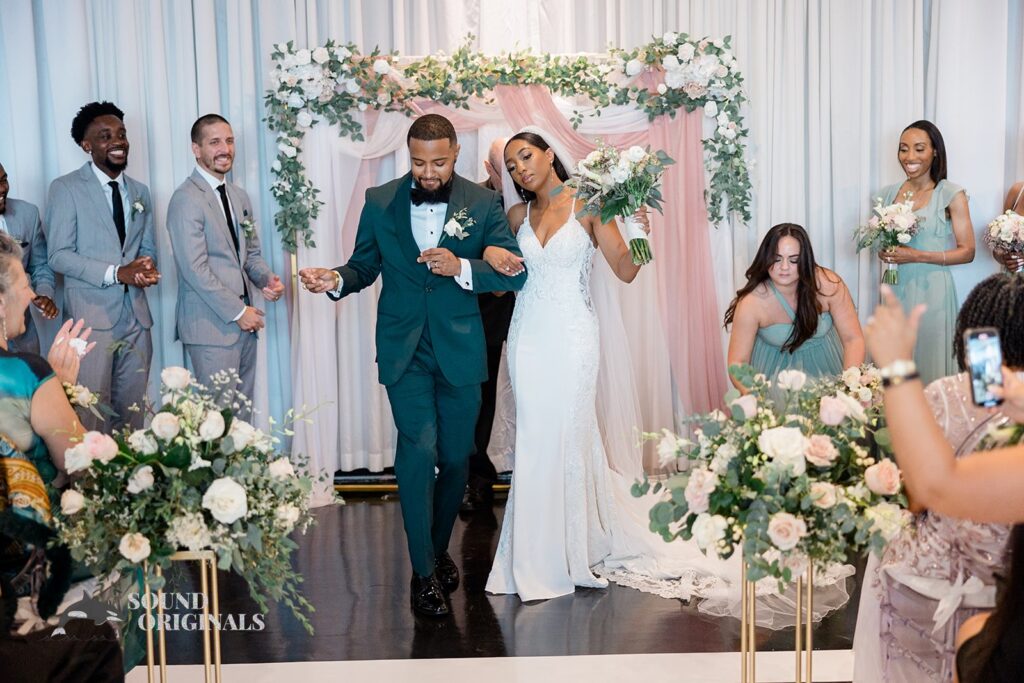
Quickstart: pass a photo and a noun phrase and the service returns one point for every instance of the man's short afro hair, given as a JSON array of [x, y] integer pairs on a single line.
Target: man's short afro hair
[[90, 113]]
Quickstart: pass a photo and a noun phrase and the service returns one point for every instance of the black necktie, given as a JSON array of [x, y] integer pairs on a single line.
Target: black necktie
[[115, 200], [222, 188]]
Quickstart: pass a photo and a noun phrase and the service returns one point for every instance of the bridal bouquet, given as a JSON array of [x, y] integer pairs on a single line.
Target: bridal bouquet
[[794, 473], [615, 183], [1006, 232], [890, 227], [198, 478]]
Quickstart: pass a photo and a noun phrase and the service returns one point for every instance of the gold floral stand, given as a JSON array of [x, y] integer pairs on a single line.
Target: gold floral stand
[[207, 560], [803, 647]]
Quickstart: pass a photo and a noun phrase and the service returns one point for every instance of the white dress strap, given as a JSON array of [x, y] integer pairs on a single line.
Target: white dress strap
[[1016, 201]]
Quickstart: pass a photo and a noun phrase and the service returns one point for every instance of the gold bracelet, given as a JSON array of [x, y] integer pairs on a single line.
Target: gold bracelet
[[337, 280]]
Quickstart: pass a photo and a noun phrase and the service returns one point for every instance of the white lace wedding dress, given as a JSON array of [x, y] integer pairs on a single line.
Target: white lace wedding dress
[[570, 519]]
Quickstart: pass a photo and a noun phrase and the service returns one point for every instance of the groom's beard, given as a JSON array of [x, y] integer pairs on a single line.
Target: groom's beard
[[439, 196]]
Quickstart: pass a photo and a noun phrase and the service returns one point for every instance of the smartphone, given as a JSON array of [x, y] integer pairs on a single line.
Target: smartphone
[[985, 363]]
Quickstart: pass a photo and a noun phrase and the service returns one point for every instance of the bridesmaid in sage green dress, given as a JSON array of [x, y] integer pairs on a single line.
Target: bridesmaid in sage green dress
[[793, 314], [945, 238]]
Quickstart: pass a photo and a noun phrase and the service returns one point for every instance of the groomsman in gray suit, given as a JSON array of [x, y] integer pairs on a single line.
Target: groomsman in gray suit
[[20, 220], [99, 226], [217, 250]]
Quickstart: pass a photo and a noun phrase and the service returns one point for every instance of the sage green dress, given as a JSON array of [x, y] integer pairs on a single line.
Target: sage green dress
[[819, 356], [926, 283]]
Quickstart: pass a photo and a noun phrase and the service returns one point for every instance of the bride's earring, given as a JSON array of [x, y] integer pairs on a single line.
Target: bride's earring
[[3, 328]]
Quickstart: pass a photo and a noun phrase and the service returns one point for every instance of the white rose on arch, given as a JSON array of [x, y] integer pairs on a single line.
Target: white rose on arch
[[634, 67], [321, 55]]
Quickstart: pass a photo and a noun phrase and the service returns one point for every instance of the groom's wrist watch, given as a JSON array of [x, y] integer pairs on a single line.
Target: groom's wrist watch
[[337, 280], [898, 372]]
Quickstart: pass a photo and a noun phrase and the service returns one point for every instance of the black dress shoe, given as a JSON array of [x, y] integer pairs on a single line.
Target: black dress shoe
[[446, 572], [477, 498], [428, 596]]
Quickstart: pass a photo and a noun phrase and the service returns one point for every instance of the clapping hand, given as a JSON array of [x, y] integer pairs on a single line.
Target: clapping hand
[[891, 334], [319, 280], [141, 272], [68, 349], [274, 289]]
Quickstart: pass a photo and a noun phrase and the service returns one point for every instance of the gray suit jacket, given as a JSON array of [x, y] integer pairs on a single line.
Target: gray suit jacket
[[23, 224], [83, 243], [211, 274]]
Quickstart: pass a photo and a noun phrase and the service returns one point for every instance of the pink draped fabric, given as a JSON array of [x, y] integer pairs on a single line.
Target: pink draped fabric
[[689, 310]]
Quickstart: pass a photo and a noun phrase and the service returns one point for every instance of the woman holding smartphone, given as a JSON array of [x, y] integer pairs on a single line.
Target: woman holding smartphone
[[985, 487], [902, 588]]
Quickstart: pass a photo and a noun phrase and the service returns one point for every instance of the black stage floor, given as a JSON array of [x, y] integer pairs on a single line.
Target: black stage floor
[[357, 574]]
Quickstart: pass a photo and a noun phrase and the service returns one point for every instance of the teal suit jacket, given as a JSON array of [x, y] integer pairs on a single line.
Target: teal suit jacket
[[412, 296]]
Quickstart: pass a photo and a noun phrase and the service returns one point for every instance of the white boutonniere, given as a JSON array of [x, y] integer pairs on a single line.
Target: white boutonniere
[[248, 227], [137, 208], [458, 225]]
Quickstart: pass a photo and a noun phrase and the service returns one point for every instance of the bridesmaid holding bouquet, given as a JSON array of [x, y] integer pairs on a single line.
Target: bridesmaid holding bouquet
[[945, 237]]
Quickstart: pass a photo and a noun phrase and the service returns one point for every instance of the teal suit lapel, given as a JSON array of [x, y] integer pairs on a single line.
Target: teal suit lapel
[[401, 208]]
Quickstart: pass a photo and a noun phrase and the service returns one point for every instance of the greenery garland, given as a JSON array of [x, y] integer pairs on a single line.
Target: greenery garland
[[332, 82]]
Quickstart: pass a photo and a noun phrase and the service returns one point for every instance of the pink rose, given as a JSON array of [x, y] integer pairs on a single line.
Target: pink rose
[[832, 410], [702, 482], [824, 494], [883, 478], [786, 530], [748, 404], [99, 446], [821, 451]]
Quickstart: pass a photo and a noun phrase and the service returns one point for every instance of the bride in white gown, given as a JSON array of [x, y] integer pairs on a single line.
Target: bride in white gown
[[570, 519]]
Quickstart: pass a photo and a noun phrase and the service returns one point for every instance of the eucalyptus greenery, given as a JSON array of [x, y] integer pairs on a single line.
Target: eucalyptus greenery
[[334, 81]]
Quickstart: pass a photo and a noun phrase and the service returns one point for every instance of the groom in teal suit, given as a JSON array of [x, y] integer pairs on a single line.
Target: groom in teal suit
[[425, 234]]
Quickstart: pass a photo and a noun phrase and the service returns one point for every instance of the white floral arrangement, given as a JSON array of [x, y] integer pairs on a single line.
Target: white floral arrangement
[[891, 226], [1006, 232], [198, 478], [613, 183], [334, 82], [793, 473]]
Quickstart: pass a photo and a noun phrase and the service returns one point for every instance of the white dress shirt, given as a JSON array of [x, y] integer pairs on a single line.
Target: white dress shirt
[[110, 278], [427, 228], [3, 225], [215, 183]]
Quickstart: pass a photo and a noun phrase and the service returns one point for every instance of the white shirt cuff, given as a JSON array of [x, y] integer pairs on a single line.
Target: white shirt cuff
[[111, 276], [465, 278], [240, 314]]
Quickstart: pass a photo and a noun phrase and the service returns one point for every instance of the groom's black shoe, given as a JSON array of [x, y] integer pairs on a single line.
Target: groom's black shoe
[[428, 597], [477, 498], [446, 572]]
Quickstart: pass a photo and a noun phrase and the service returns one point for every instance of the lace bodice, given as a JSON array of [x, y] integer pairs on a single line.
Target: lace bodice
[[559, 270]]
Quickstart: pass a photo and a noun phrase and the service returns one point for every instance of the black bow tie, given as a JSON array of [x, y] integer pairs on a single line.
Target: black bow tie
[[439, 196]]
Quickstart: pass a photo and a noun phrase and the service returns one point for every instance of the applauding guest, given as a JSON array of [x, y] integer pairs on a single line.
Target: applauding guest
[[217, 251], [20, 220], [99, 225], [793, 314]]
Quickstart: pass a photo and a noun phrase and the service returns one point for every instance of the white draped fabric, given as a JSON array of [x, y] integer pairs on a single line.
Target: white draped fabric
[[830, 83]]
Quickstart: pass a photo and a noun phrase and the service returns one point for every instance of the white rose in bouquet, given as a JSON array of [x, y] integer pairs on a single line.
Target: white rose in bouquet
[[832, 411], [724, 455], [71, 501], [636, 154], [887, 518], [791, 380], [865, 396], [241, 434], [77, 459], [287, 515], [141, 480], [748, 404], [134, 547], [321, 55], [175, 378], [851, 378], [225, 499], [824, 494], [786, 447], [708, 530], [853, 407], [165, 425], [303, 56], [141, 441], [786, 530], [702, 482], [281, 469], [669, 447], [212, 426], [883, 478]]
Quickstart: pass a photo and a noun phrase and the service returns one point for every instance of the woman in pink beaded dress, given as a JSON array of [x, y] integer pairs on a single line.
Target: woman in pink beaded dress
[[940, 570]]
